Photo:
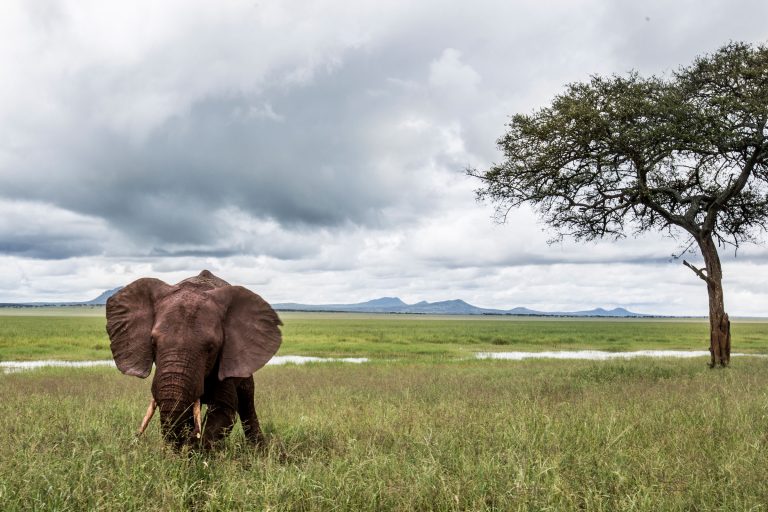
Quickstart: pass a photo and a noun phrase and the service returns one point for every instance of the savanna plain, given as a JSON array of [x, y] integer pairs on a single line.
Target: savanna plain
[[422, 426]]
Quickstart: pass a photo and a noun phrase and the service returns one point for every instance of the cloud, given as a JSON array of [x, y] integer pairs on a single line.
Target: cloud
[[315, 150], [39, 230], [449, 73]]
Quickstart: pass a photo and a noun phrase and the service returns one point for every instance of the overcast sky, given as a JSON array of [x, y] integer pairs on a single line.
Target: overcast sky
[[315, 151]]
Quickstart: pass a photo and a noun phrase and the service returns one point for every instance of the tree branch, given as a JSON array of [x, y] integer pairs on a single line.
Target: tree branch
[[691, 242], [733, 188], [699, 272]]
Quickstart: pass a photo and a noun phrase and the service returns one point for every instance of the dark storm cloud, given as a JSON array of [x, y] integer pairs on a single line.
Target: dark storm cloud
[[52, 248], [43, 231], [298, 154], [318, 151]]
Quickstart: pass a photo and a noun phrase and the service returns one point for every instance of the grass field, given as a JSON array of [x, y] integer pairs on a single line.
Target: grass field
[[30, 334], [635, 435], [421, 427]]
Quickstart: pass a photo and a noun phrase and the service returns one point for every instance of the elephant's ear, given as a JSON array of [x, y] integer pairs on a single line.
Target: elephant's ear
[[130, 317], [251, 331]]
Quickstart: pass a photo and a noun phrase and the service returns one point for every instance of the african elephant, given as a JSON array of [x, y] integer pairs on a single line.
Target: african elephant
[[206, 338]]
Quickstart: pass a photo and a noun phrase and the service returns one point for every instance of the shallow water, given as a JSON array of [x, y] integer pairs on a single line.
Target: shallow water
[[592, 355], [16, 366], [277, 360], [599, 355]]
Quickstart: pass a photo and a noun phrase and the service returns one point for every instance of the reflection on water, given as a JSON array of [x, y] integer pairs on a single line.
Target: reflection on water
[[598, 355], [592, 355], [309, 359], [16, 366]]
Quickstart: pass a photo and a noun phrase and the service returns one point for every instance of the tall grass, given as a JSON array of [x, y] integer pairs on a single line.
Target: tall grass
[[534, 435]]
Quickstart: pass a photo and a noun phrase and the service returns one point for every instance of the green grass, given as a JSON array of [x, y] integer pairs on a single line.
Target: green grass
[[457, 435], [78, 334], [421, 428], [395, 336], [28, 337]]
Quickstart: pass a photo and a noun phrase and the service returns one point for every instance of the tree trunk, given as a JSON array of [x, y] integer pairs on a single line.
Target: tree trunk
[[719, 324]]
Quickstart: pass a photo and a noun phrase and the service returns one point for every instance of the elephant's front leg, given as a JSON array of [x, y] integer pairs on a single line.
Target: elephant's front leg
[[247, 412], [221, 397]]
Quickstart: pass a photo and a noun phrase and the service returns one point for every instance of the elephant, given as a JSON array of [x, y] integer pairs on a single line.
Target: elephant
[[206, 339]]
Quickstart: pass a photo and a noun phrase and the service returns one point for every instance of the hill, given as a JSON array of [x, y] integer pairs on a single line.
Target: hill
[[447, 307], [102, 299], [386, 305], [98, 301]]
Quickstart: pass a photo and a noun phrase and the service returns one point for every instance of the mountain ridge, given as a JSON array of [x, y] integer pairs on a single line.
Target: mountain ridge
[[101, 300], [390, 305], [448, 307]]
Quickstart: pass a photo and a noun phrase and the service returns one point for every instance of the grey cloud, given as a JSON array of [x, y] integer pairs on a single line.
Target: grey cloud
[[201, 253], [656, 37], [313, 158], [52, 248], [547, 258], [43, 231], [310, 168]]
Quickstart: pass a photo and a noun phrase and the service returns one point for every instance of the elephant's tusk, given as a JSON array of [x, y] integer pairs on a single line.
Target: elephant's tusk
[[198, 423], [147, 417]]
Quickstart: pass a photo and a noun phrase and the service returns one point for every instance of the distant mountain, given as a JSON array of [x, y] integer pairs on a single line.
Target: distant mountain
[[446, 307], [98, 301], [384, 302], [102, 299], [525, 311], [386, 305], [603, 312]]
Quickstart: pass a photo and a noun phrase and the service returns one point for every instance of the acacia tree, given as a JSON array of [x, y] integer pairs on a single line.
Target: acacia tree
[[627, 154]]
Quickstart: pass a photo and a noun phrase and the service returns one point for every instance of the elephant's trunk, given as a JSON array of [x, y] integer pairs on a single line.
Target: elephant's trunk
[[196, 416], [179, 403], [177, 421]]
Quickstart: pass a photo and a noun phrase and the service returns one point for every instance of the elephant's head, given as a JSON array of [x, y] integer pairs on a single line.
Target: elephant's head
[[189, 330]]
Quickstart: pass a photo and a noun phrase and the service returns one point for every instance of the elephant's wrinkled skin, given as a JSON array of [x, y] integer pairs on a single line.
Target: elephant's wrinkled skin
[[206, 339]]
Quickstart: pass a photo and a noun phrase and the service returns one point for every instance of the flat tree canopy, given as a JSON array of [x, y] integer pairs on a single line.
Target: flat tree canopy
[[627, 154]]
